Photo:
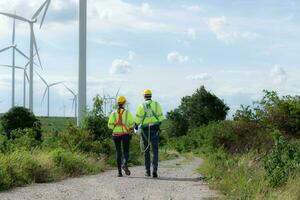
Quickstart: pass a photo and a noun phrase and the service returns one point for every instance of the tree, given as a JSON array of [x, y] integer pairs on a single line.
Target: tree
[[20, 118], [200, 108], [203, 107], [95, 121], [178, 124]]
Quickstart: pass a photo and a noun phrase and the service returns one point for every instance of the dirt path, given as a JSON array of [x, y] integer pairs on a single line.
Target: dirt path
[[177, 180]]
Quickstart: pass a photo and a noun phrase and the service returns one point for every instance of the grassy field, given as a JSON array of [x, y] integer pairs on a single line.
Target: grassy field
[[56, 124]]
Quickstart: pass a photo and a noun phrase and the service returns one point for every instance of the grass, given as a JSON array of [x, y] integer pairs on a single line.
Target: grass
[[56, 124], [22, 167], [243, 177]]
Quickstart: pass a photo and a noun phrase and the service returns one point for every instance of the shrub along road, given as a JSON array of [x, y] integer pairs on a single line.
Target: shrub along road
[[178, 180]]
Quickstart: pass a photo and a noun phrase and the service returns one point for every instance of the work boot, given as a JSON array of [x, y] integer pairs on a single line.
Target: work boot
[[126, 170], [148, 173], [120, 173], [154, 175]]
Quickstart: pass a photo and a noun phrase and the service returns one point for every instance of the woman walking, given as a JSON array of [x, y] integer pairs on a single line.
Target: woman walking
[[121, 122]]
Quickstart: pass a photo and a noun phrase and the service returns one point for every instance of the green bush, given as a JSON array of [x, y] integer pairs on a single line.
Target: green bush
[[72, 164], [283, 160], [178, 125], [95, 121], [203, 107], [20, 118], [274, 112], [233, 137], [5, 144], [24, 139]]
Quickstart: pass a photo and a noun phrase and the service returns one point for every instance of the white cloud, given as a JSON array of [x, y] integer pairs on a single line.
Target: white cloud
[[119, 15], [175, 56], [119, 66], [146, 9], [193, 8], [199, 77], [225, 33], [278, 74], [131, 55], [191, 33]]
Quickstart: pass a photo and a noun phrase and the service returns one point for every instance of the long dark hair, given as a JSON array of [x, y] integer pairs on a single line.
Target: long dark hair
[[120, 107]]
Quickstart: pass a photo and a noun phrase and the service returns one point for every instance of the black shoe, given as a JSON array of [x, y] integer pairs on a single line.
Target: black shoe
[[154, 175], [126, 170], [120, 175], [148, 173]]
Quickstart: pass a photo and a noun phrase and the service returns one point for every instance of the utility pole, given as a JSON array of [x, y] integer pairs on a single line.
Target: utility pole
[[82, 61]]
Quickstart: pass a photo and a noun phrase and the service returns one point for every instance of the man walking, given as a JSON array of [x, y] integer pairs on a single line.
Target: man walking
[[148, 119]]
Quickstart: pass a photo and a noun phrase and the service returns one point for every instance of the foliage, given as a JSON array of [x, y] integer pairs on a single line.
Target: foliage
[[95, 121], [20, 118], [245, 113], [282, 161], [282, 113], [196, 110], [203, 107], [24, 167], [233, 137], [178, 123]]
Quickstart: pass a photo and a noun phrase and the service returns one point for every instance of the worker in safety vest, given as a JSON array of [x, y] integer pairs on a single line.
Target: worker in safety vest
[[121, 122], [148, 120]]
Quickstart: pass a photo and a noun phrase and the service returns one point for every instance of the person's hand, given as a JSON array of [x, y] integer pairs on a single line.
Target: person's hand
[[130, 131], [136, 127]]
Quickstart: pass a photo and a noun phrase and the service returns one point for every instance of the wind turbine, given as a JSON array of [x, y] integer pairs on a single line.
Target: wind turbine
[[33, 44], [47, 91], [74, 100], [82, 61], [25, 77], [14, 49]]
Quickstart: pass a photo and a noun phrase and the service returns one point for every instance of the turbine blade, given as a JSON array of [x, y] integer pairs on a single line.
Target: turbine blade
[[10, 66], [53, 84], [6, 48], [45, 12], [14, 32], [70, 90], [36, 50], [41, 78], [47, 88], [15, 16], [118, 93], [38, 11], [26, 75], [27, 65], [23, 54]]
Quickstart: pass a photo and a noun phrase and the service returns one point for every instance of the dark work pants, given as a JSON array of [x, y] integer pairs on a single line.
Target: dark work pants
[[122, 141], [154, 139]]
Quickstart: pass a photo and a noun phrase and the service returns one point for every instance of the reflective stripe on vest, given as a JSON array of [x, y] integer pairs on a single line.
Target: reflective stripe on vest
[[119, 122]]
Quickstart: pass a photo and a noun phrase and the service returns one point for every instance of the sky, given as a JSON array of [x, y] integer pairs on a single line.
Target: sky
[[235, 48]]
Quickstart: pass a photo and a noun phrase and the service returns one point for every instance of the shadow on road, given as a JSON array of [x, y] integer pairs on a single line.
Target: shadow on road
[[162, 178]]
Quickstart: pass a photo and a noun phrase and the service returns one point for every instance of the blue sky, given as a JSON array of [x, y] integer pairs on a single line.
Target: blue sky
[[235, 48]]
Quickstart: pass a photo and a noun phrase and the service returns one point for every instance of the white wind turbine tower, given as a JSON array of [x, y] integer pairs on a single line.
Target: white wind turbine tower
[[25, 77], [33, 45], [82, 61], [15, 49], [47, 91], [74, 100]]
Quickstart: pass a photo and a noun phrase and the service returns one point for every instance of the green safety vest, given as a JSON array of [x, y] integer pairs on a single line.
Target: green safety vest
[[149, 112], [121, 122]]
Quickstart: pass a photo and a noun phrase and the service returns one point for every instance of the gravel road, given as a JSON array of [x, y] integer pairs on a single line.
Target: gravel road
[[177, 180]]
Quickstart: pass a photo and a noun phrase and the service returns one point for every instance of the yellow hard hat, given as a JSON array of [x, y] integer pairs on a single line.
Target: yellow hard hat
[[147, 92], [121, 99]]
